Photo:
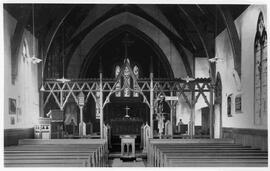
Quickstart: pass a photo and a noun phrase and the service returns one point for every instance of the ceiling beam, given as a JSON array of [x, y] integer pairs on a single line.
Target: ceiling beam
[[174, 20], [58, 21], [74, 42], [132, 30], [202, 36], [234, 38]]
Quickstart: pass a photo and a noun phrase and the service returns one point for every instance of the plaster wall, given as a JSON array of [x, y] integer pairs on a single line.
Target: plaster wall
[[25, 89], [246, 28]]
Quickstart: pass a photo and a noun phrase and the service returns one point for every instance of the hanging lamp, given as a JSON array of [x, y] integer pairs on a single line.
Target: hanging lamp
[[63, 79], [216, 58], [42, 75], [188, 79], [34, 59]]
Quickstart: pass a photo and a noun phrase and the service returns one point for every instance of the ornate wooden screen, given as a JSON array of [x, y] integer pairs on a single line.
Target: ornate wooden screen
[[61, 92]]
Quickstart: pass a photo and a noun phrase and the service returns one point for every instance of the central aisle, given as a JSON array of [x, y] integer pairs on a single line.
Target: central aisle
[[116, 162]]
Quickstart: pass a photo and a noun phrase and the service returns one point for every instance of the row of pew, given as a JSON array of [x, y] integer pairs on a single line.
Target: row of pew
[[57, 153], [203, 153]]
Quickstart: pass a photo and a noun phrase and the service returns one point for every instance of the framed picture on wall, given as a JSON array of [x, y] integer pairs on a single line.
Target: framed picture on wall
[[238, 104], [12, 106], [229, 105], [12, 120]]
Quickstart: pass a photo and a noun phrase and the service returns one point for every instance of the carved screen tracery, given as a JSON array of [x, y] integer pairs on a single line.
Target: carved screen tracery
[[260, 60], [126, 80]]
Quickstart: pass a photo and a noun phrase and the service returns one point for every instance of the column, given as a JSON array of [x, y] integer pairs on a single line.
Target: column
[[192, 114], [101, 106], [171, 111], [82, 125], [151, 105], [211, 111]]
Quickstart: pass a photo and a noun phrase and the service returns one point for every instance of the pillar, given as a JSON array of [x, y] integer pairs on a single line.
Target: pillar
[[192, 113], [211, 111], [151, 98], [151, 105], [101, 106], [82, 125]]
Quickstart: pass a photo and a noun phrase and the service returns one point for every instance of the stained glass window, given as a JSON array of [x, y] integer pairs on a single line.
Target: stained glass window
[[260, 70]]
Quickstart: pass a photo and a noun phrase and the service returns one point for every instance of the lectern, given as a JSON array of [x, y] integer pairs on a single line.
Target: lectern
[[128, 147]]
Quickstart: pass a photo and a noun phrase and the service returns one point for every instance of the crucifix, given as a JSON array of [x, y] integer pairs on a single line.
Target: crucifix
[[126, 43], [127, 108]]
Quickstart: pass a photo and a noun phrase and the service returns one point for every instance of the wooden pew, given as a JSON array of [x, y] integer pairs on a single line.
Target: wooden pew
[[46, 155], [95, 155], [151, 155], [57, 152], [208, 153], [164, 155]]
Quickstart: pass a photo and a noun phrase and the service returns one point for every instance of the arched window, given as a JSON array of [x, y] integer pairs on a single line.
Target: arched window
[[25, 51], [136, 73], [118, 85], [126, 81], [260, 72]]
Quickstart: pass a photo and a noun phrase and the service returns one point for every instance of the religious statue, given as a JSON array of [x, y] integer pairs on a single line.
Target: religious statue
[[179, 126], [160, 119], [160, 115]]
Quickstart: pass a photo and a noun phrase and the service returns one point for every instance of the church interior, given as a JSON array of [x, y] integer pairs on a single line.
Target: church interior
[[135, 85]]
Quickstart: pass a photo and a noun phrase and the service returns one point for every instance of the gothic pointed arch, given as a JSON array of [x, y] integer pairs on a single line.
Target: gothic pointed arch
[[165, 64]]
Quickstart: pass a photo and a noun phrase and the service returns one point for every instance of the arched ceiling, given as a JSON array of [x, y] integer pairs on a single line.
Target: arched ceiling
[[126, 18], [189, 27]]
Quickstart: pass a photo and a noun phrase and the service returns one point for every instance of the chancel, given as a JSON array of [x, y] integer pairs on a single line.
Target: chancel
[[135, 85]]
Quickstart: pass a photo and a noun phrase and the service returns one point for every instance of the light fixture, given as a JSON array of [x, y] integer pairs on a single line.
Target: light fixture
[[34, 59], [63, 79], [216, 59], [188, 79], [42, 87]]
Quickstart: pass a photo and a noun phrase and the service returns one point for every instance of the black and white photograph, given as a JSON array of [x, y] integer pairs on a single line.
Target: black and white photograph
[[159, 84]]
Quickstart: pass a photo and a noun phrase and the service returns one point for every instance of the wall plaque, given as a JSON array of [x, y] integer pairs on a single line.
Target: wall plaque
[[12, 106], [238, 104]]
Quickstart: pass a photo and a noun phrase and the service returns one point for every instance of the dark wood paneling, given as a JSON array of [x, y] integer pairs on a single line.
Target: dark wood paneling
[[11, 136], [256, 138]]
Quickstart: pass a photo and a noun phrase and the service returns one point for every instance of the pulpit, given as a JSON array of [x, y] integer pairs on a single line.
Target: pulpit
[[128, 147]]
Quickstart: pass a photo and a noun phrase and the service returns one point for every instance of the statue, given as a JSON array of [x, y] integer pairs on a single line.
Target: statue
[[160, 119], [160, 115]]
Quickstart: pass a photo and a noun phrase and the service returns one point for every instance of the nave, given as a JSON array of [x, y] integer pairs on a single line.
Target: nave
[[135, 85]]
